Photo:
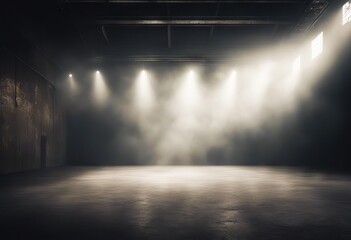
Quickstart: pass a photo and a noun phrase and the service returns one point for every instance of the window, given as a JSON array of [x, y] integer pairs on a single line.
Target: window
[[346, 13]]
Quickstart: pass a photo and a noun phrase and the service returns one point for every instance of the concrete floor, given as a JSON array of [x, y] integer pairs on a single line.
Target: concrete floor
[[175, 203]]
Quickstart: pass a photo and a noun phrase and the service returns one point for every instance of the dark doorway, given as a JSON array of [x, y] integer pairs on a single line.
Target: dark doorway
[[43, 151]]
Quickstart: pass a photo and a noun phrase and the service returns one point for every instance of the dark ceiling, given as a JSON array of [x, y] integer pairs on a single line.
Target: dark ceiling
[[158, 30]]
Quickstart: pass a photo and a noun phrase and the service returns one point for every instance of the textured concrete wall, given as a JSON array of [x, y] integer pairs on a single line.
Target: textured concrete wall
[[30, 111]]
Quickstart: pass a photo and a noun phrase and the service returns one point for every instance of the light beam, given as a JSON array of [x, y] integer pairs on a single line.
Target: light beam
[[144, 93], [317, 46], [100, 91]]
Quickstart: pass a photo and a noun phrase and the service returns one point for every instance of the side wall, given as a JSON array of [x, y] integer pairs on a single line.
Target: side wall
[[32, 119]]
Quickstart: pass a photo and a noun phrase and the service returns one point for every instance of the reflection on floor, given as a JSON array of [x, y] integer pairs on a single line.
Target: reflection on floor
[[175, 203]]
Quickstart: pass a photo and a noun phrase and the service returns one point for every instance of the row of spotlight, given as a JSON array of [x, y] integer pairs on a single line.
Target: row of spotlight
[[317, 43]]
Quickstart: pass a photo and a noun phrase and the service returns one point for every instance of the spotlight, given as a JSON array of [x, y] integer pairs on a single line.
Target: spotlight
[[143, 75], [72, 84], [191, 74], [317, 46], [100, 90], [144, 93], [232, 75], [227, 92], [188, 93]]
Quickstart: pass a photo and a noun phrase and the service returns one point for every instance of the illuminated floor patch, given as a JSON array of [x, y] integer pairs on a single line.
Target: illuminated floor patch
[[176, 203]]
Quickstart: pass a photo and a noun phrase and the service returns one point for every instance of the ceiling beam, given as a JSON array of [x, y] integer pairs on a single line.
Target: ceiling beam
[[183, 1], [198, 22], [216, 14], [168, 58], [169, 36]]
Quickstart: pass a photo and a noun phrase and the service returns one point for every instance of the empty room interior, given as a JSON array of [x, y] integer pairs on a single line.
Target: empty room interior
[[175, 119]]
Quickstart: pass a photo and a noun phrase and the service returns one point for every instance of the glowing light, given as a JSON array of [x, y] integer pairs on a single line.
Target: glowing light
[[297, 65], [228, 90], [259, 84], [72, 84], [317, 46], [223, 102], [144, 92], [291, 82], [191, 74], [232, 74], [346, 13], [190, 89], [100, 91], [97, 72]]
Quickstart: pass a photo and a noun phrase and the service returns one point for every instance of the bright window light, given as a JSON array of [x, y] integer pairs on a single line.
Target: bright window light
[[70, 75], [346, 13], [317, 46]]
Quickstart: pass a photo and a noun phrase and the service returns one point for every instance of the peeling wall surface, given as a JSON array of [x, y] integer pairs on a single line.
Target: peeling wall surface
[[32, 120]]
